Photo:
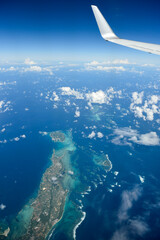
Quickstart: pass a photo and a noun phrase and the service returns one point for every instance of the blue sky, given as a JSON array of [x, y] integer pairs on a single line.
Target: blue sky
[[48, 30]]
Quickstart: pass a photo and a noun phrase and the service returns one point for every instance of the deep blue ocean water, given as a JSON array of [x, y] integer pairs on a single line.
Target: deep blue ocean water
[[23, 162]]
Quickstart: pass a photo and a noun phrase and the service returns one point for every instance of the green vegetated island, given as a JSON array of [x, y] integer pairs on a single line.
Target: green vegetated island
[[37, 218]]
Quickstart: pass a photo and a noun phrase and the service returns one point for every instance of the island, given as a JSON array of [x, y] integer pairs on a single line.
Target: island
[[4, 234], [103, 160], [39, 216]]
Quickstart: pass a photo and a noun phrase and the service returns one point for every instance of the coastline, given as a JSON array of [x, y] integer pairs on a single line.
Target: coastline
[[78, 224]]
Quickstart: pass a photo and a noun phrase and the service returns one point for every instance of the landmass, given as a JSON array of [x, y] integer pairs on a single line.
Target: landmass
[[104, 161], [57, 136], [4, 233], [36, 219]]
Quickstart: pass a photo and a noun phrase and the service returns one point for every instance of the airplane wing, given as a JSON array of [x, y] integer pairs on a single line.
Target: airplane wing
[[108, 35]]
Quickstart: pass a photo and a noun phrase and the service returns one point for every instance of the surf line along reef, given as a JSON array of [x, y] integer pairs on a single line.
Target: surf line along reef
[[38, 217]]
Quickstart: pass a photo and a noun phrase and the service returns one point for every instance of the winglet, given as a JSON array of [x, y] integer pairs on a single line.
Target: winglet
[[104, 28]]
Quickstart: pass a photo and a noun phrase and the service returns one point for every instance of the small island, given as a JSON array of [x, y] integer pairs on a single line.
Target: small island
[[4, 234], [104, 161]]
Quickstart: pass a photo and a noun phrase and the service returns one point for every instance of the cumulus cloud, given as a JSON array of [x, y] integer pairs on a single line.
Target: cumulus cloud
[[2, 206], [7, 83], [8, 69], [3, 130], [92, 135], [28, 61], [100, 135], [71, 92], [102, 97], [105, 68], [137, 97], [23, 136], [93, 63], [153, 100], [115, 61], [12, 68], [55, 96], [141, 178], [126, 136], [120, 61], [77, 112], [146, 110], [1, 103], [5, 106], [16, 139], [33, 69], [97, 97]]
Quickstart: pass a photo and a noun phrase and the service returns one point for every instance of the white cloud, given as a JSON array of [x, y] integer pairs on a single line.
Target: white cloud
[[116, 62], [71, 92], [105, 68], [148, 109], [28, 61], [125, 136], [16, 139], [120, 234], [148, 65], [3, 130], [97, 97], [11, 69], [5, 106], [56, 98], [137, 97], [120, 61], [138, 111], [2, 206], [1, 103], [77, 113], [154, 99], [92, 135], [100, 135], [33, 69], [141, 178], [134, 228], [148, 139], [128, 199], [8, 70], [102, 97], [139, 227], [93, 63], [7, 83], [23, 136]]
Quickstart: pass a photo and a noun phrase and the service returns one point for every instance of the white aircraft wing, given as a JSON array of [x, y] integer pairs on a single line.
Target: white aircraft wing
[[108, 35]]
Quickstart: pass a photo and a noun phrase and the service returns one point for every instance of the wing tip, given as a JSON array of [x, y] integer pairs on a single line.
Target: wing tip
[[93, 6], [105, 29]]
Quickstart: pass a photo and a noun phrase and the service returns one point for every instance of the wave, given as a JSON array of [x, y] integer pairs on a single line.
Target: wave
[[78, 224]]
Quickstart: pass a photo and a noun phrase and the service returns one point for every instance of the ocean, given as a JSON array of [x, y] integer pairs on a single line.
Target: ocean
[[122, 202]]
